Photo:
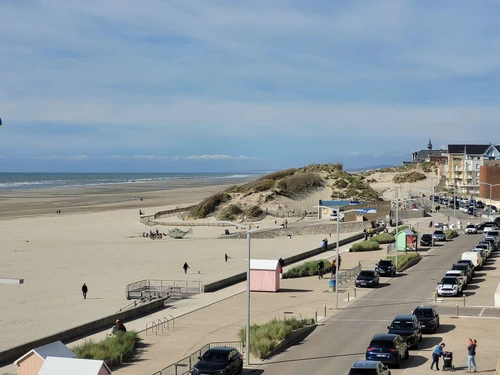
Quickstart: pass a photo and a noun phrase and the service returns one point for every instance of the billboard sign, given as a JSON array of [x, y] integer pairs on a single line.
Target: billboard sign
[[362, 211]]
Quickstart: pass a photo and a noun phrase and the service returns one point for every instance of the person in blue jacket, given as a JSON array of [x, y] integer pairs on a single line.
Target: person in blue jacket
[[438, 352]]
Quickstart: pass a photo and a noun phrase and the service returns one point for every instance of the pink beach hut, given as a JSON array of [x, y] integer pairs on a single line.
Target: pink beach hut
[[32, 362], [264, 275], [73, 366]]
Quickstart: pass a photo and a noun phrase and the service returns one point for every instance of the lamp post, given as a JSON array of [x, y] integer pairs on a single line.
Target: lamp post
[[249, 232], [337, 210]]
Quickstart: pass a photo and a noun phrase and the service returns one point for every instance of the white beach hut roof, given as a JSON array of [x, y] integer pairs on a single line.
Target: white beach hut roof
[[263, 264], [54, 349], [71, 366]]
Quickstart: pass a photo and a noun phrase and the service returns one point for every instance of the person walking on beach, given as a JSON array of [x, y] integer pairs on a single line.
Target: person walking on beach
[[438, 352], [185, 266], [84, 290], [225, 257], [471, 355]]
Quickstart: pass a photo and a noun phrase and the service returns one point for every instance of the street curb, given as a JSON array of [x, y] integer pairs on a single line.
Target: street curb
[[294, 338]]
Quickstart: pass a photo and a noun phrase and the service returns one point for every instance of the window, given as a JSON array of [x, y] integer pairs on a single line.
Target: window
[[477, 166]]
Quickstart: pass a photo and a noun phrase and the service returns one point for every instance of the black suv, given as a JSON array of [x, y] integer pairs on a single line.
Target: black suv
[[409, 327], [367, 278], [369, 368], [428, 318], [386, 267], [426, 240], [388, 349]]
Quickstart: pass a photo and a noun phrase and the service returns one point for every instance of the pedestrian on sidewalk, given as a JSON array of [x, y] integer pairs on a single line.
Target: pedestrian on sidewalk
[[225, 257], [471, 355], [185, 266], [334, 268], [321, 269], [84, 290], [340, 261], [438, 352]]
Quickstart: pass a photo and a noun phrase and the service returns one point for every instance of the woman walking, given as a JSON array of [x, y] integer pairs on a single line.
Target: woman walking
[[471, 357]]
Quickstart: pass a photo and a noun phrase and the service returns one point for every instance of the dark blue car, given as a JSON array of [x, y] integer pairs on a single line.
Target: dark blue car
[[387, 348]]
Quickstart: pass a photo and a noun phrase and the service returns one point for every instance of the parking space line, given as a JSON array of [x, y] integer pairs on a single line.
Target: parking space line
[[482, 311]]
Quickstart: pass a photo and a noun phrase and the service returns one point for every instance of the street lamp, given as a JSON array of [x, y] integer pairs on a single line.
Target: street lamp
[[491, 186], [249, 232], [337, 210]]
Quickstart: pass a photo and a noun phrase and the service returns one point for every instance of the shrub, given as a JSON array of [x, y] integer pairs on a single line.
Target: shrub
[[400, 228], [384, 238], [230, 213], [403, 259], [298, 183], [262, 184], [278, 175], [450, 233], [408, 177], [254, 211], [308, 268], [118, 347], [208, 205], [264, 338], [367, 245]]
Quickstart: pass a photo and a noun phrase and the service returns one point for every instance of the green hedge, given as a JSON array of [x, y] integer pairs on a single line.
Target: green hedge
[[367, 245], [403, 259], [118, 347], [450, 233], [308, 268], [384, 238], [264, 338]]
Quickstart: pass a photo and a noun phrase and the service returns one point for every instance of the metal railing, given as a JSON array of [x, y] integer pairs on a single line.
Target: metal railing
[[345, 276], [161, 288], [186, 364], [159, 324]]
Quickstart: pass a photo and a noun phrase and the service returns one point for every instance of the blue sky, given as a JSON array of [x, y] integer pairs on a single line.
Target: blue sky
[[208, 85]]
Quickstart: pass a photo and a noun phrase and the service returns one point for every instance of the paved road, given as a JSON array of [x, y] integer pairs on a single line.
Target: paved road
[[333, 348]]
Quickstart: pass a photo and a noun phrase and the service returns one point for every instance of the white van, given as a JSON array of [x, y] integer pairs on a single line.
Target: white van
[[333, 216], [475, 257]]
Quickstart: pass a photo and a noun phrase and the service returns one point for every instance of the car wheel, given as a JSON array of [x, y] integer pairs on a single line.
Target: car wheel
[[398, 364]]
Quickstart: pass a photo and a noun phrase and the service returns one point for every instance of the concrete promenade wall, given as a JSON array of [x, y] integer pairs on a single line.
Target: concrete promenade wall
[[235, 279], [10, 355]]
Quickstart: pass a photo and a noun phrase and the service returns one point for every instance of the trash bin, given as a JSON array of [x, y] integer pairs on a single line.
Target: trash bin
[[331, 285]]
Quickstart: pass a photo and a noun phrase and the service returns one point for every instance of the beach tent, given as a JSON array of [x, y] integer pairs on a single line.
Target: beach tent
[[73, 366], [32, 361]]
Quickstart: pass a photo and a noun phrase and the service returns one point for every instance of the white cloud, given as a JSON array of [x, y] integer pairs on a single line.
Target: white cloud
[[355, 153], [62, 157], [147, 157]]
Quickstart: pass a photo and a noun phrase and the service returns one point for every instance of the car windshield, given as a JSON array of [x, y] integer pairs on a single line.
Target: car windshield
[[426, 236], [215, 356], [470, 226], [448, 280], [423, 312], [385, 263], [402, 324], [366, 273], [493, 233], [439, 232], [363, 371]]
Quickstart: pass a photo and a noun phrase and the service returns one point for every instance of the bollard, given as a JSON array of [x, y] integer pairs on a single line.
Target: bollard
[[464, 299], [354, 292], [348, 300], [457, 309], [435, 297], [316, 316], [325, 310]]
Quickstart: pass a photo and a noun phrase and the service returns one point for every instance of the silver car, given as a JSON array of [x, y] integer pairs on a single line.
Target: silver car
[[439, 235]]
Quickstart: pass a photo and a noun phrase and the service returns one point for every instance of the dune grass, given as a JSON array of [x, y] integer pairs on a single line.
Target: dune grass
[[264, 338], [450, 233], [403, 259], [118, 347], [384, 238], [368, 245], [308, 268]]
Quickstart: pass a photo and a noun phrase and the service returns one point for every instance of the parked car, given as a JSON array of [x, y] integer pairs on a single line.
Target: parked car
[[497, 220], [493, 233], [369, 368], [408, 327], [481, 253], [219, 360], [439, 235], [470, 229], [386, 267], [465, 265], [449, 287], [367, 278], [491, 240], [486, 246], [334, 216], [426, 240], [460, 274], [428, 318], [481, 226], [475, 257], [388, 349]]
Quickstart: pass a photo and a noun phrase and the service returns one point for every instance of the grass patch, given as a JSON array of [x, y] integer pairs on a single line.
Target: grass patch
[[308, 268], [230, 213], [368, 245], [290, 186], [408, 177], [450, 233], [208, 205], [264, 338], [278, 175], [262, 184], [254, 212], [384, 238], [403, 259], [119, 347]]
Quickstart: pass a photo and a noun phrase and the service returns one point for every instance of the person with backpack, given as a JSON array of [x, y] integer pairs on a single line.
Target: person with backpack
[[321, 269]]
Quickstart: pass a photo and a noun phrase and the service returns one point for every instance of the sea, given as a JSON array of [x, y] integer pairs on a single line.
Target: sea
[[29, 181]]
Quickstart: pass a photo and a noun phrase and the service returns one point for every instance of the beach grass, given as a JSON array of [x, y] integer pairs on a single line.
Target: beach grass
[[450, 233], [115, 348], [403, 259], [368, 245], [308, 268], [208, 205], [384, 238], [264, 338]]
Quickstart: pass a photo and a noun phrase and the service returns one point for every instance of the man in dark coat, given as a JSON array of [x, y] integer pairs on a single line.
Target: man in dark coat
[[84, 290]]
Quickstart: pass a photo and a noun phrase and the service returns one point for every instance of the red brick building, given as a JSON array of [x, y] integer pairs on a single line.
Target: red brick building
[[489, 176]]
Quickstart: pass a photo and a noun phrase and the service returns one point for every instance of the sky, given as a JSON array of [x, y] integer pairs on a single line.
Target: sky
[[223, 85]]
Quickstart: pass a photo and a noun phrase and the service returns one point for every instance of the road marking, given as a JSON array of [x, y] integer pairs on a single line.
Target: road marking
[[350, 299], [482, 311], [476, 317], [360, 320]]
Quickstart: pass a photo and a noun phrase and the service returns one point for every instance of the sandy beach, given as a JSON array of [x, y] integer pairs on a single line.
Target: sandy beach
[[56, 254]]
